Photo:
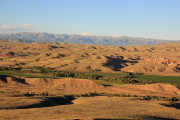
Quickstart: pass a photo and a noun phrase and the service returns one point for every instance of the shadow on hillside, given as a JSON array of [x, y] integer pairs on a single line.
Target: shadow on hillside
[[117, 63], [3, 78], [48, 102], [174, 105], [19, 80], [141, 118], [110, 119], [155, 118]]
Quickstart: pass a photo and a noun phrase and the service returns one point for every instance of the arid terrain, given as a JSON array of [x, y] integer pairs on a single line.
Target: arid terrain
[[89, 60], [70, 99], [61, 81], [157, 59]]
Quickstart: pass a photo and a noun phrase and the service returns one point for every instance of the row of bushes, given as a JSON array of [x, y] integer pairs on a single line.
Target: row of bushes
[[35, 69], [93, 94], [31, 94], [122, 77], [173, 99]]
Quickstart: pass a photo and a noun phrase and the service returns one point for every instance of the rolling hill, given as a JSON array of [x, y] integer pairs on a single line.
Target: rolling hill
[[30, 88], [156, 59]]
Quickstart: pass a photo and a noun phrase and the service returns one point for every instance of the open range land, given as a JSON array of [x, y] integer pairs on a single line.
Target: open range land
[[62, 81]]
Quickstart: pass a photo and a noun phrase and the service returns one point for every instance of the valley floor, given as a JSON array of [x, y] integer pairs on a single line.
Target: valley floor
[[98, 108], [24, 98]]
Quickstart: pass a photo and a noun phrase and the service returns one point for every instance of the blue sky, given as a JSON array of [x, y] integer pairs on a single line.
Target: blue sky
[[136, 18]]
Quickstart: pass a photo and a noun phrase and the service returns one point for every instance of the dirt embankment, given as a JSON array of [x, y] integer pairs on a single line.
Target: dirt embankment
[[81, 86], [65, 86]]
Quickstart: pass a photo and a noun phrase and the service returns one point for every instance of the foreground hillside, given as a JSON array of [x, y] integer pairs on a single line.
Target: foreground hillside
[[95, 108], [81, 99], [157, 59]]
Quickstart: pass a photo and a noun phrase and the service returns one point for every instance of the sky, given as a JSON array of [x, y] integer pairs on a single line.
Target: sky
[[158, 19]]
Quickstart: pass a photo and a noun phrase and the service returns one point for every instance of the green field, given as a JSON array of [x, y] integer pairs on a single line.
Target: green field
[[174, 80], [105, 79]]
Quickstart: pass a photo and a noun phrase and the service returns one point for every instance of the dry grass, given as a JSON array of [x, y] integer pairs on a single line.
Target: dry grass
[[96, 107], [48, 102], [15, 106], [157, 59], [69, 86]]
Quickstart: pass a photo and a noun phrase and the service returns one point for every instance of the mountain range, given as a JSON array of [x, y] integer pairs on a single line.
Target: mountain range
[[29, 37]]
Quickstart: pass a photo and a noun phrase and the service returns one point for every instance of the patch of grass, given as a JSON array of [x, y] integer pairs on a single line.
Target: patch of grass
[[105, 79], [174, 80], [103, 83], [21, 74]]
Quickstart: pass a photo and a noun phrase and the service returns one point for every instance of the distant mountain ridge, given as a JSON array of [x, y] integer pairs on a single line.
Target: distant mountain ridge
[[29, 37]]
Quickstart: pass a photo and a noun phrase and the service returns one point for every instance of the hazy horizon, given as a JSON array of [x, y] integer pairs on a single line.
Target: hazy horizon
[[139, 18], [90, 35]]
